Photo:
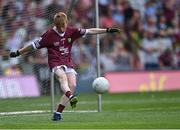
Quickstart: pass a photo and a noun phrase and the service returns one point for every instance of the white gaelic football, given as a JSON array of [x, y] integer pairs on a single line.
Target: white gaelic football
[[100, 85]]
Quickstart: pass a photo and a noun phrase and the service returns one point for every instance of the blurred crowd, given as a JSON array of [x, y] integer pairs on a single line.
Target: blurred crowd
[[150, 37]]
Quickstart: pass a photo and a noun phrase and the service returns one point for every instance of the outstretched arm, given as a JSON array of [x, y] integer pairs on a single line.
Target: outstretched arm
[[23, 50], [101, 30]]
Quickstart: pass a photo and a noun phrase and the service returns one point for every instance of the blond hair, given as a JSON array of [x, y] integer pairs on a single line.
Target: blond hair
[[60, 18]]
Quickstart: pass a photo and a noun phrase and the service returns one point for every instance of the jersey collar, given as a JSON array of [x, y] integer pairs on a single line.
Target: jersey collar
[[60, 34]]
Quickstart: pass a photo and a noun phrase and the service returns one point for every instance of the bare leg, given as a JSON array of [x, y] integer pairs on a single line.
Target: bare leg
[[72, 84], [62, 77]]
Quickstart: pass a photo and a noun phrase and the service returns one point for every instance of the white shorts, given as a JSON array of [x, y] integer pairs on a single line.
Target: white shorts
[[66, 69]]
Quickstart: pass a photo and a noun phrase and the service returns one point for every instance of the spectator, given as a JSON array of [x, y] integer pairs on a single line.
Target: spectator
[[21, 20], [122, 58], [169, 11], [151, 51], [128, 13], [106, 20], [13, 70], [166, 60], [51, 9], [150, 25]]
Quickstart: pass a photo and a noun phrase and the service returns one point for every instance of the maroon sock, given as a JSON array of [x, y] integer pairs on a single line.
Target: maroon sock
[[60, 108], [68, 94]]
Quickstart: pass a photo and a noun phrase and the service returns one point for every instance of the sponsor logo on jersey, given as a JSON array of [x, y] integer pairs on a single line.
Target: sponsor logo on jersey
[[64, 50], [56, 43], [62, 39]]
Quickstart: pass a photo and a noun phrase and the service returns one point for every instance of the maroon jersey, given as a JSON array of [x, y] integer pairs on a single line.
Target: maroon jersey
[[59, 45]]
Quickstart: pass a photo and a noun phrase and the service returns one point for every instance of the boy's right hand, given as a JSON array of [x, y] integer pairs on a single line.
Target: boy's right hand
[[14, 54]]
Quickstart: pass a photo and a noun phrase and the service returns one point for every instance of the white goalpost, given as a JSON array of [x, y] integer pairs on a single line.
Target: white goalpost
[[98, 55]]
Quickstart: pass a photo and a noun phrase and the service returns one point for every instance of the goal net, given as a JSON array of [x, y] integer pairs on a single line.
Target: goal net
[[25, 82]]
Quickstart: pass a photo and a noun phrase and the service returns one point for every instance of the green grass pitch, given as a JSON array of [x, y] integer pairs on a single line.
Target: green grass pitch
[[126, 111]]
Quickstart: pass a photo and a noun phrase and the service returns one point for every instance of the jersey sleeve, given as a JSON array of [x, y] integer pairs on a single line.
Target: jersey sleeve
[[78, 32], [41, 42]]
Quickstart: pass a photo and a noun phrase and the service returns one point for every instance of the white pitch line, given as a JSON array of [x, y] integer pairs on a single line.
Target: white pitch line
[[43, 111], [81, 111], [24, 112], [149, 109]]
